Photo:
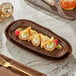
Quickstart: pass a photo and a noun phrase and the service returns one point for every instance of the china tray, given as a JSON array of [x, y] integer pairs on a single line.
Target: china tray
[[56, 54]]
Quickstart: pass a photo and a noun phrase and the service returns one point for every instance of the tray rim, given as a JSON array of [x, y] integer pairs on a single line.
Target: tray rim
[[12, 40]]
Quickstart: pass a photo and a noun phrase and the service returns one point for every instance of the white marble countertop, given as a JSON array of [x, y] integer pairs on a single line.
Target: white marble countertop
[[63, 27]]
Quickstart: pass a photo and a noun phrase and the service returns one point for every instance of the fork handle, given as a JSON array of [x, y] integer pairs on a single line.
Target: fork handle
[[28, 74]]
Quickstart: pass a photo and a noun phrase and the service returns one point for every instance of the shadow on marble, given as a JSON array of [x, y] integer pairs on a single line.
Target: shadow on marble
[[73, 26], [7, 20], [61, 68], [48, 13], [5, 23]]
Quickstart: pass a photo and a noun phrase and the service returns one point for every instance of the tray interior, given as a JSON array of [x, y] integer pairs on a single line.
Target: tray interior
[[66, 48]]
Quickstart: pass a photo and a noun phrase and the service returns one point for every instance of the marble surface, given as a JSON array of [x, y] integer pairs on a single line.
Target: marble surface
[[65, 28]]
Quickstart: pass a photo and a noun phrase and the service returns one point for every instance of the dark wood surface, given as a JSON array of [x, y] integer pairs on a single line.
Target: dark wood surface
[[13, 72], [56, 54], [55, 9]]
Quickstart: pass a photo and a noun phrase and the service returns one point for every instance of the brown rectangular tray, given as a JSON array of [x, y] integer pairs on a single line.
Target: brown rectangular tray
[[55, 9], [13, 72], [56, 54]]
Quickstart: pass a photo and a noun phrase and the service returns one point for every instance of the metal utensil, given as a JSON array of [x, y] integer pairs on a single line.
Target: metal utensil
[[6, 64]]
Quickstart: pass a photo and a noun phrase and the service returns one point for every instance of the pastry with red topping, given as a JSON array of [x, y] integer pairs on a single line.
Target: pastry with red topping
[[38, 39], [24, 34]]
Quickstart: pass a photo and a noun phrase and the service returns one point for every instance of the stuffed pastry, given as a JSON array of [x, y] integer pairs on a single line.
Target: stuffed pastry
[[35, 40], [49, 45], [24, 35], [43, 38]]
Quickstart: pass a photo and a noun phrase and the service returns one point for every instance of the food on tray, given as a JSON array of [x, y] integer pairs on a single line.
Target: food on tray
[[62, 47], [56, 41], [24, 34], [38, 39], [18, 31], [43, 39], [59, 46], [35, 40], [49, 45], [50, 2], [68, 4], [32, 32]]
